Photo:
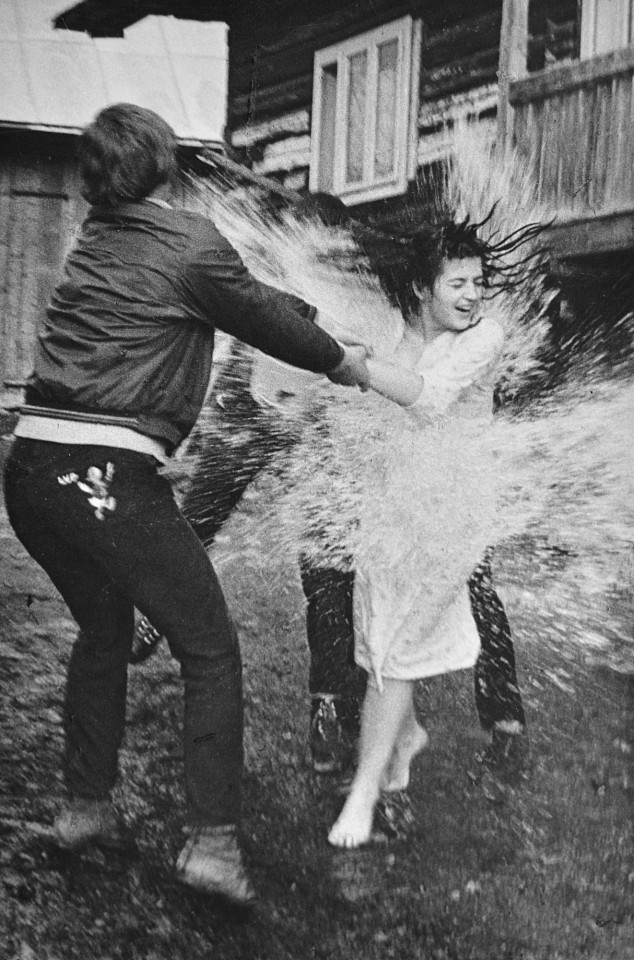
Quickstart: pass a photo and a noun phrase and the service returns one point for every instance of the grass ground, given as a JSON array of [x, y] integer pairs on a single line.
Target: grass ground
[[540, 868]]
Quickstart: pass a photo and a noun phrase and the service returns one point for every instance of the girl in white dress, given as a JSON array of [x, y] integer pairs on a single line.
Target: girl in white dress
[[410, 621]]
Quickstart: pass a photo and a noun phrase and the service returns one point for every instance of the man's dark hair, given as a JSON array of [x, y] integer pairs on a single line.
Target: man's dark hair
[[125, 154]]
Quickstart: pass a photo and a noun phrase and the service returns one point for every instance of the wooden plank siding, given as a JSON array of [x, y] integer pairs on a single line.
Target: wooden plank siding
[[575, 123], [461, 73], [272, 76], [40, 209], [268, 79], [39, 205], [269, 75]]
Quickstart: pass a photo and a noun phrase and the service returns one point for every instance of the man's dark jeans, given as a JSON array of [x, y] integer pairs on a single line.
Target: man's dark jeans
[[104, 526]]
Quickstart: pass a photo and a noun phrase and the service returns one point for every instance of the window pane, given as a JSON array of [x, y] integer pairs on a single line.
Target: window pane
[[356, 117], [386, 109], [328, 122]]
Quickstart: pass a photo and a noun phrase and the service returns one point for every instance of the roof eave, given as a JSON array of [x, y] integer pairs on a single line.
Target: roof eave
[[111, 18], [193, 142]]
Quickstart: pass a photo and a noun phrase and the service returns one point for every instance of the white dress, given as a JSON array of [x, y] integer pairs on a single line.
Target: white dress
[[427, 528]]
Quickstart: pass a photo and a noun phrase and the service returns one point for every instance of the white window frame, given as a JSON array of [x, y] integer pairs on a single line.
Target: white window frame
[[596, 13], [408, 33]]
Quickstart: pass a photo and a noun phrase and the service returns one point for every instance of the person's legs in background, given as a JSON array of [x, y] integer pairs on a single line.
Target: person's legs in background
[[337, 687], [336, 684], [497, 693]]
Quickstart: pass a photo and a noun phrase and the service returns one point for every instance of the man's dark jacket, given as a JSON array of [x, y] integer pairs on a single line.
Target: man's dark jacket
[[130, 328]]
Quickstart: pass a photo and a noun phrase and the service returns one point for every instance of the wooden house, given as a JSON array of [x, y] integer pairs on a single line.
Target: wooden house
[[356, 98], [348, 98], [51, 84]]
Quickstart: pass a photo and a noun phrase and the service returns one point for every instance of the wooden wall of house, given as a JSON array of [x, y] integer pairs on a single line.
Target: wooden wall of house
[[39, 205], [272, 76]]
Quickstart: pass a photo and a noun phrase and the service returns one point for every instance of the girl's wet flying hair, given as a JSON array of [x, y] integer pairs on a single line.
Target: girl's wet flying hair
[[405, 262], [125, 154]]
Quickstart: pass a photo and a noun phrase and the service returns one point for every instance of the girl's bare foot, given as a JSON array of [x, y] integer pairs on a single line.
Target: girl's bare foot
[[353, 827], [408, 746]]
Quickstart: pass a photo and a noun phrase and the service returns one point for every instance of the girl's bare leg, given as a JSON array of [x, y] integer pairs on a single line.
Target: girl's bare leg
[[412, 738], [382, 718]]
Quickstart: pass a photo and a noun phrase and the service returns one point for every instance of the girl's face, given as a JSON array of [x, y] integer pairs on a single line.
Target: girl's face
[[456, 295]]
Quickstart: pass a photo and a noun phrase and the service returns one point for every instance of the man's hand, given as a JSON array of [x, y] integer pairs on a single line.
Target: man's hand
[[352, 371]]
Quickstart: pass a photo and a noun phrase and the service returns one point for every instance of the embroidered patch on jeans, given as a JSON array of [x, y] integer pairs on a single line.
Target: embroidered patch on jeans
[[97, 485]]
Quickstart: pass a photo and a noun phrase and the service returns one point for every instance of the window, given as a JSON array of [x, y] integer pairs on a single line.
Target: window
[[363, 134], [606, 25]]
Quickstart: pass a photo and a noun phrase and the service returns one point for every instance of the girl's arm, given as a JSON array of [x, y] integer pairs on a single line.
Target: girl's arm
[[397, 383]]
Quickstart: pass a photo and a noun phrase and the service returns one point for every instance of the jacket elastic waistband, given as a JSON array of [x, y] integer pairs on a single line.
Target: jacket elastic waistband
[[81, 416], [61, 426]]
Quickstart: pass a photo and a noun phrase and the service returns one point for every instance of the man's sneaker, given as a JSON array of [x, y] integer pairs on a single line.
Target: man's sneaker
[[92, 821], [509, 749], [332, 749], [211, 862], [145, 642]]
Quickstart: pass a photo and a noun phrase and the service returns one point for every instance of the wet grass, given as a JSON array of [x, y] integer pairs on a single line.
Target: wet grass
[[496, 867]]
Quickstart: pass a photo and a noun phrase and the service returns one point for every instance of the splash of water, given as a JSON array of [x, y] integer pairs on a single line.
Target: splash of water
[[550, 483]]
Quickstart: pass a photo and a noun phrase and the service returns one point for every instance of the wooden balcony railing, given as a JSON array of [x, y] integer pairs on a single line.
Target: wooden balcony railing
[[576, 124]]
